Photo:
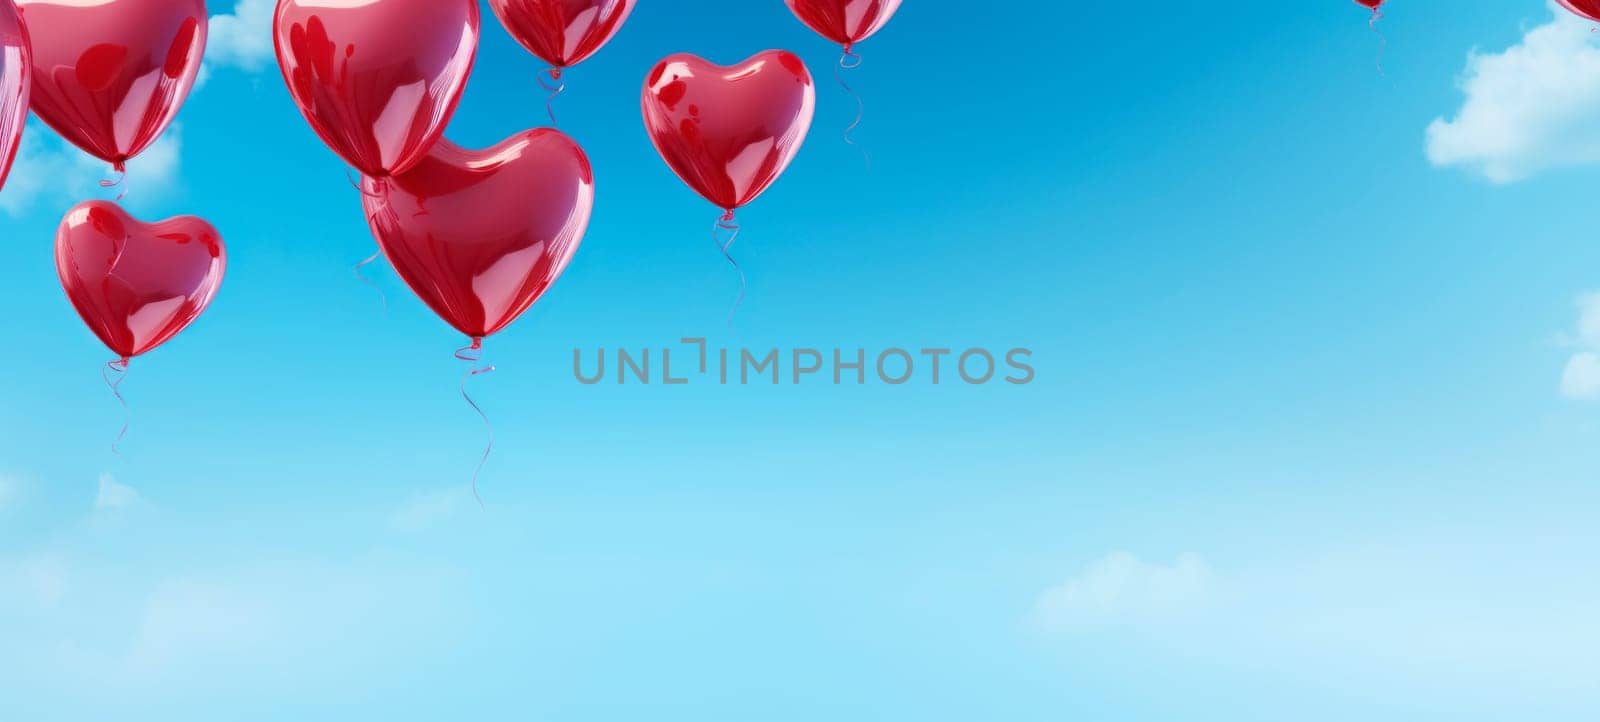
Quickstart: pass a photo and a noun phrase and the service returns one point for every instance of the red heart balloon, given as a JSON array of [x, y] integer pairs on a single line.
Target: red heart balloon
[[845, 22], [15, 72], [1587, 9], [480, 235], [109, 76], [563, 33], [1371, 4], [729, 132], [378, 80], [137, 284]]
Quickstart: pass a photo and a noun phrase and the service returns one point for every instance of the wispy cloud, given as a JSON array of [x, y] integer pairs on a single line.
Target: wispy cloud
[[9, 488], [72, 614], [51, 175], [115, 495], [1454, 612], [1580, 380], [1122, 589], [241, 39], [1529, 108]]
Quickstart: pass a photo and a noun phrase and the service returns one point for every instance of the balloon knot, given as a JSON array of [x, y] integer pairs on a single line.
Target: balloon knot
[[473, 354], [550, 81], [850, 60], [723, 234]]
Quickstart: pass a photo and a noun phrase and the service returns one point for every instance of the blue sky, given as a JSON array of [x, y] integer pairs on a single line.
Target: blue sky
[[1312, 435]]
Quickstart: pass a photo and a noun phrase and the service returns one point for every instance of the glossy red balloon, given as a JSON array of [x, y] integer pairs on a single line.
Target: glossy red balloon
[[1587, 9], [480, 235], [563, 33], [729, 132], [377, 79], [110, 76], [137, 284], [845, 22], [16, 70]]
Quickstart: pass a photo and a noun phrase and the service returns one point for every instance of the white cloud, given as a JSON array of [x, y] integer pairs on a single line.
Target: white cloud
[[1580, 380], [1420, 610], [51, 175], [1121, 589], [1589, 320], [114, 495], [112, 607], [37, 582], [241, 39], [1533, 107]]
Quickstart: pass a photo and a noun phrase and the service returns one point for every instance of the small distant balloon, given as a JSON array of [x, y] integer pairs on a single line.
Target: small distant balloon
[[1586, 9]]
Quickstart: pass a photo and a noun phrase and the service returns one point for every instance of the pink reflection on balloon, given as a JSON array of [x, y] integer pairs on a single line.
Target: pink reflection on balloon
[[16, 76]]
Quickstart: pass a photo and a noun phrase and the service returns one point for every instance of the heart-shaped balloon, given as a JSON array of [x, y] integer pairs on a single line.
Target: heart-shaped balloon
[[137, 284], [729, 132], [1587, 9], [480, 235], [378, 79], [563, 33], [845, 22], [15, 76], [110, 76], [1375, 4]]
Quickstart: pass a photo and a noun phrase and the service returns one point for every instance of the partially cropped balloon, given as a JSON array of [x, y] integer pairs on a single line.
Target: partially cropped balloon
[[377, 79], [137, 284], [1586, 9], [110, 75], [848, 22], [16, 69], [1371, 4], [480, 235], [562, 33], [729, 132]]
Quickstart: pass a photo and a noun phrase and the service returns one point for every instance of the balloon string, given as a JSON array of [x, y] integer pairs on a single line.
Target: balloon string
[[119, 180], [356, 184], [472, 354], [1383, 42], [727, 225], [550, 80], [115, 373], [383, 298], [850, 61]]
